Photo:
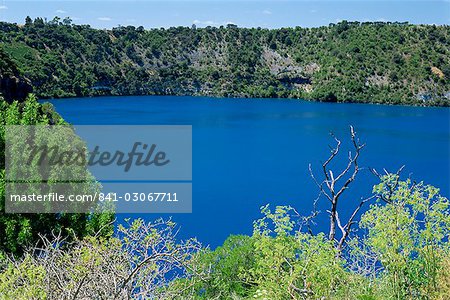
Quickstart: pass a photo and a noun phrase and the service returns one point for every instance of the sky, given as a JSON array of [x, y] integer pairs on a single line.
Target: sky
[[249, 13]]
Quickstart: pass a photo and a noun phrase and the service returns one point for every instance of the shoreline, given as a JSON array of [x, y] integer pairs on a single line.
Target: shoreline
[[249, 99]]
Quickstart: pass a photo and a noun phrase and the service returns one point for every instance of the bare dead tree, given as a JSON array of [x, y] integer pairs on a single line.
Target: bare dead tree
[[333, 185]]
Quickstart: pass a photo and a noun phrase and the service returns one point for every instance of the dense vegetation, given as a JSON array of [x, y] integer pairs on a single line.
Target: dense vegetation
[[403, 255], [18, 231], [349, 61]]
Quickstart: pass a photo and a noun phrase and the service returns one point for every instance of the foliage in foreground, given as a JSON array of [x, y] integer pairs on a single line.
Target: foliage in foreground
[[403, 254], [138, 262], [18, 231]]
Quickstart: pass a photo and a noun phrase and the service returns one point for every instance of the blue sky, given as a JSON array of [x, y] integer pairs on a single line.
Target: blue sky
[[252, 13]]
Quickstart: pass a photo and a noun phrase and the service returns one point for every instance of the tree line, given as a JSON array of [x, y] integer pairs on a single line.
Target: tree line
[[376, 62]]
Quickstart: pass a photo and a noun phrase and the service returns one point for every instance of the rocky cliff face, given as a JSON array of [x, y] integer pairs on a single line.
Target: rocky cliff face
[[14, 88], [376, 62], [12, 85]]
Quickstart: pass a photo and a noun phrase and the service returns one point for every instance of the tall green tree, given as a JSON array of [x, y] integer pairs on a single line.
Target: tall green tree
[[18, 231]]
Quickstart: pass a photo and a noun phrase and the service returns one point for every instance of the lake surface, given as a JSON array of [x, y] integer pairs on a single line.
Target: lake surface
[[250, 152]]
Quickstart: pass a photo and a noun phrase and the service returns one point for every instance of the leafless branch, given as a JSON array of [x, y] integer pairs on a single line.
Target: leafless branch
[[137, 264], [334, 185], [391, 187]]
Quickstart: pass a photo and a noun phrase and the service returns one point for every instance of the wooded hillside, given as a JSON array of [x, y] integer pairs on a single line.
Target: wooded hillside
[[346, 62]]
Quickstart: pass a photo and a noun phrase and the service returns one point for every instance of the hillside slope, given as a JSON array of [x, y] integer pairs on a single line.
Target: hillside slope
[[346, 62]]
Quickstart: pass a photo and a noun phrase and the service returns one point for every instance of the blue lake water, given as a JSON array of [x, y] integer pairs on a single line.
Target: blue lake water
[[250, 152]]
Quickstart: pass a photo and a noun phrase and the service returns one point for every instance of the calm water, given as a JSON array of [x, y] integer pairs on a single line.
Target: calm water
[[247, 153]]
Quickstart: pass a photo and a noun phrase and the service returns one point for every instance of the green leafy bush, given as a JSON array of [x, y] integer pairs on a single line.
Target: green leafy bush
[[18, 231]]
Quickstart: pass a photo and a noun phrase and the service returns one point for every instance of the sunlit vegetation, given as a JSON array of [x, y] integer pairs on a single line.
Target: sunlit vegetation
[[404, 254], [378, 62]]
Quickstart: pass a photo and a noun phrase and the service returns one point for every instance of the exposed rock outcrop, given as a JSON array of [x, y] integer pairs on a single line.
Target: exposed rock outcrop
[[12, 85], [14, 88]]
